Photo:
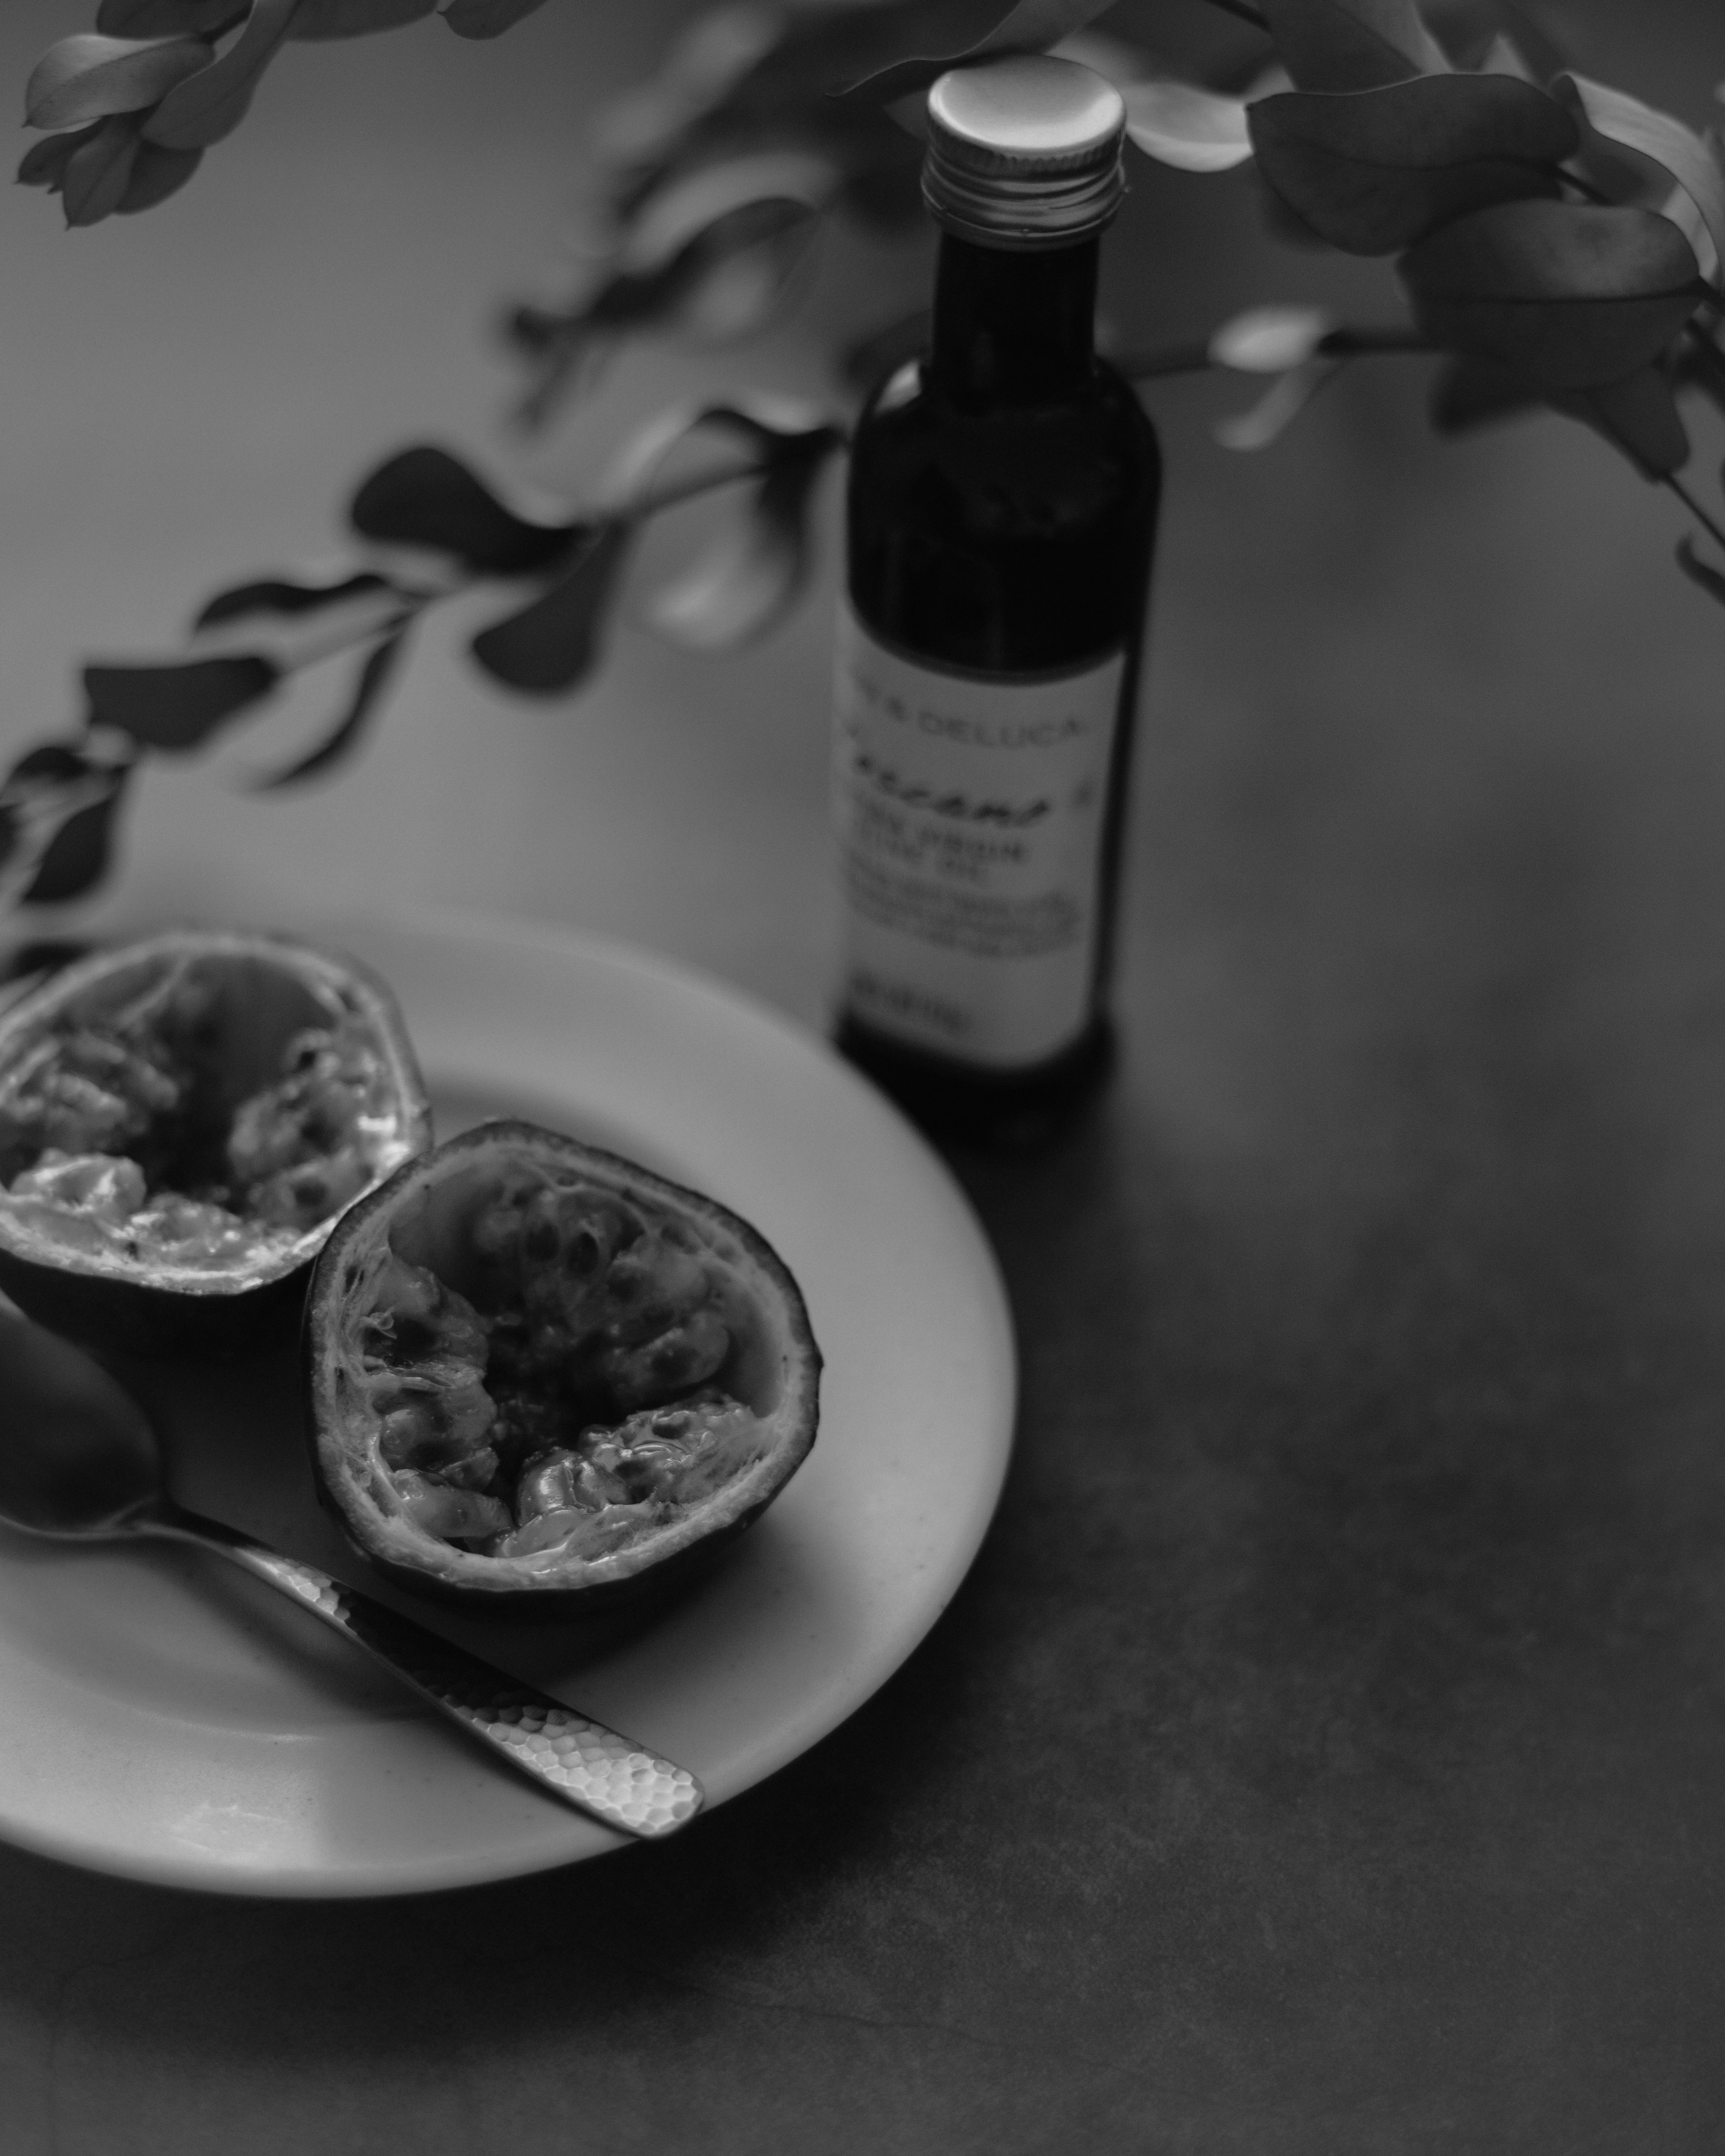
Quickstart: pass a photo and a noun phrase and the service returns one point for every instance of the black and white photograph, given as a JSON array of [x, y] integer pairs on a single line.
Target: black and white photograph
[[862, 1078]]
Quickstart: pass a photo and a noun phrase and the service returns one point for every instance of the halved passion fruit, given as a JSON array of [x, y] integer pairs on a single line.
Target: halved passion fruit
[[542, 1378], [181, 1121]]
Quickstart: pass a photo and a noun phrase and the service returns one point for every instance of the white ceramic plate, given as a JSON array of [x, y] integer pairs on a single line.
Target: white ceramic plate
[[168, 1720]]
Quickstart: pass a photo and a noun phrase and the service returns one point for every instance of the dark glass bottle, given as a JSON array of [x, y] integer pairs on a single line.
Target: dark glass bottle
[[1001, 514]]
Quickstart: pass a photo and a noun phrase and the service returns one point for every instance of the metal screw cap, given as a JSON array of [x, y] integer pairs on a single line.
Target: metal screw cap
[[1024, 153]]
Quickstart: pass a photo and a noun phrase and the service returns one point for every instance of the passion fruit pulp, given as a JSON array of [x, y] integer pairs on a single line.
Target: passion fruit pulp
[[181, 1121], [543, 1378]]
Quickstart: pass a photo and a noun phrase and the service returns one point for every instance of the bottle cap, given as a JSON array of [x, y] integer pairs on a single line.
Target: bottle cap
[[1024, 153]]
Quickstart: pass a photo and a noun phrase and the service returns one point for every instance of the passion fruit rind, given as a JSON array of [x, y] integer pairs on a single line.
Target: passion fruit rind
[[181, 1121], [543, 1378]]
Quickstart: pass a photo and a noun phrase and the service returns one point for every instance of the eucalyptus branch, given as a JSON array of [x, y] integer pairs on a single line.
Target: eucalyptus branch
[[1245, 13], [355, 633], [1584, 187], [1361, 344], [1709, 363], [1337, 344], [1170, 360], [1708, 524], [1475, 180], [656, 499]]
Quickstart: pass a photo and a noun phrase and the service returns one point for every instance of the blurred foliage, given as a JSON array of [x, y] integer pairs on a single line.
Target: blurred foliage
[[1557, 242]]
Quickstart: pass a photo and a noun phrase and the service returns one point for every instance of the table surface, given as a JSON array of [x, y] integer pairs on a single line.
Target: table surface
[[1326, 1753]]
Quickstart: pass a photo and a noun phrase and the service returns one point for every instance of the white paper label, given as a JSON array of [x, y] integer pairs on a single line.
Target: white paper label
[[969, 812]]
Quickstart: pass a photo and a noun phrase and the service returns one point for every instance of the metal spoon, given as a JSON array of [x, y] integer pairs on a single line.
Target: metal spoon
[[78, 1460]]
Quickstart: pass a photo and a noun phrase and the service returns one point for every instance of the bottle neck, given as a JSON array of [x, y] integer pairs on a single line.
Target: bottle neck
[[1011, 327]]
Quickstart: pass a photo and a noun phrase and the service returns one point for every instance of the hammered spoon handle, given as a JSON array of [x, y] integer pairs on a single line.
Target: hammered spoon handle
[[81, 1463], [594, 1768]]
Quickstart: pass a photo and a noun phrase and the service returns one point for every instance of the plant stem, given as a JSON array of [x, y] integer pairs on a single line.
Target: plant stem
[[1338, 344], [1710, 376], [1172, 359], [1712, 530], [668, 497], [411, 605], [1244, 10], [1585, 188], [1356, 344]]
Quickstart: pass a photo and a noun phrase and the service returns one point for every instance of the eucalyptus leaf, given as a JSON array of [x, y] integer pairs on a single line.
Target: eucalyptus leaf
[[87, 77], [749, 578], [212, 104], [56, 808], [1503, 56], [99, 171], [177, 704], [1270, 340], [356, 18], [344, 736], [169, 18], [486, 18], [1691, 161], [883, 189], [282, 595], [1269, 419], [1493, 37], [1179, 124], [704, 64], [1639, 416], [554, 642], [771, 433], [155, 174], [1697, 361], [1352, 44], [737, 279], [293, 636], [1570, 294], [1283, 224], [1467, 394], [44, 163], [915, 46], [715, 263], [801, 55], [751, 572], [77, 858], [1679, 205], [1703, 573], [1373, 171], [42, 954], [425, 497], [742, 76], [49, 764], [870, 358], [693, 204], [881, 186], [881, 182]]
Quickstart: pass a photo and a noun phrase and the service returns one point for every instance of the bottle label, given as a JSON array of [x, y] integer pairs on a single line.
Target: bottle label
[[969, 812]]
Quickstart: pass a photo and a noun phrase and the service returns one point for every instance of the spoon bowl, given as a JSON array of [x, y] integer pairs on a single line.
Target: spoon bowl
[[79, 1462], [78, 1458]]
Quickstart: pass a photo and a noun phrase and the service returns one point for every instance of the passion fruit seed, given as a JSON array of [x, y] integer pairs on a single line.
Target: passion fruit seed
[[181, 1123], [596, 1314], [117, 1114], [550, 1366], [95, 1185], [589, 1498], [297, 1148]]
